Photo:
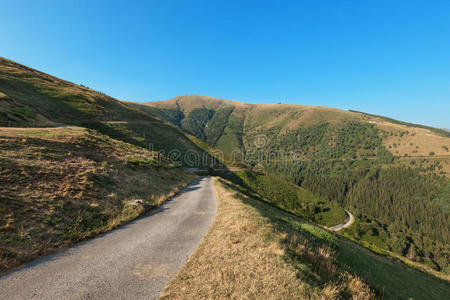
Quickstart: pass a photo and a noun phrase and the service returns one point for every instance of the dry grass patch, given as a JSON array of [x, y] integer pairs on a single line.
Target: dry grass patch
[[245, 256], [413, 141], [62, 185], [235, 260]]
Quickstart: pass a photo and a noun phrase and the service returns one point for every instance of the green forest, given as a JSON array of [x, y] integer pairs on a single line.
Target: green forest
[[403, 209]]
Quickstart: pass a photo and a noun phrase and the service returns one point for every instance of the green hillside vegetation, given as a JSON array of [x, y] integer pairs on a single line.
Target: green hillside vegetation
[[195, 122], [342, 157], [290, 197], [160, 137], [172, 116], [216, 125], [63, 185], [30, 98], [400, 208], [321, 258], [33, 98], [231, 140]]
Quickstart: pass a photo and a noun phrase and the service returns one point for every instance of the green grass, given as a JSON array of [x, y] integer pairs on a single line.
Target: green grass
[[217, 124], [393, 279], [34, 94], [231, 138], [290, 197], [390, 278], [158, 136]]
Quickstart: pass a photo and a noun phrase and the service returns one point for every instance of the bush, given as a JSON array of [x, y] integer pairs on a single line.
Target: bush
[[384, 156]]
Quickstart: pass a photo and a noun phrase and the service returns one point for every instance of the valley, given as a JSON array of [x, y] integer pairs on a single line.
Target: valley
[[392, 175], [75, 163]]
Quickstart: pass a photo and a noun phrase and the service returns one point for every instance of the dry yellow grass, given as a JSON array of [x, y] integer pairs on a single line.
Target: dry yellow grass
[[290, 116], [234, 260], [187, 103], [244, 257], [414, 141], [48, 132], [61, 185]]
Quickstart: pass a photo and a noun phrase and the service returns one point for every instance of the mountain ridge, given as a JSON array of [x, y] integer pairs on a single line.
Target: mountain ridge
[[287, 116], [172, 103], [380, 169]]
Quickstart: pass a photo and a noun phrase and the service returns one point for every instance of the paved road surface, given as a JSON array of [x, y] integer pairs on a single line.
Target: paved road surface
[[350, 221], [134, 261]]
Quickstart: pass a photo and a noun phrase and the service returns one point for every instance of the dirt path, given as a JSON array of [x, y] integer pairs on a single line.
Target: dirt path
[[134, 261]]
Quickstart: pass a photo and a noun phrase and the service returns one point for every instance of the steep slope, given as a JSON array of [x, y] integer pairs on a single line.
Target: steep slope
[[30, 98], [393, 176], [27, 95], [62, 185]]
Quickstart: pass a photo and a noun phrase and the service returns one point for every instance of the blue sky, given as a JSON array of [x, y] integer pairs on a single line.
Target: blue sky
[[384, 57]]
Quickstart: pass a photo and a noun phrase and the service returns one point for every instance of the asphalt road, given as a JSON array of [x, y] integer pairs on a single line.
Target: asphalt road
[[134, 261], [350, 221]]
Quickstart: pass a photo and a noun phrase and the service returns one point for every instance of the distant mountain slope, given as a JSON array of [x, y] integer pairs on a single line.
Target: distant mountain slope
[[392, 175], [222, 123], [440, 131]]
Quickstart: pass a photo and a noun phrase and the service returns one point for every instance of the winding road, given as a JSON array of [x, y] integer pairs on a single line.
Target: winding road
[[134, 261], [350, 221]]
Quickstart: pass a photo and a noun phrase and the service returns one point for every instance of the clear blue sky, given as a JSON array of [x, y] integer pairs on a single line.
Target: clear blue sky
[[385, 57]]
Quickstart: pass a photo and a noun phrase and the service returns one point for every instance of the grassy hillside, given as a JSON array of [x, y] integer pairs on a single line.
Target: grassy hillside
[[290, 197], [62, 185], [298, 128], [164, 138], [254, 250], [443, 132], [30, 98], [392, 175]]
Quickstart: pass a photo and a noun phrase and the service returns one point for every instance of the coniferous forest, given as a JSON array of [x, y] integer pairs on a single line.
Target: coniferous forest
[[400, 208]]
